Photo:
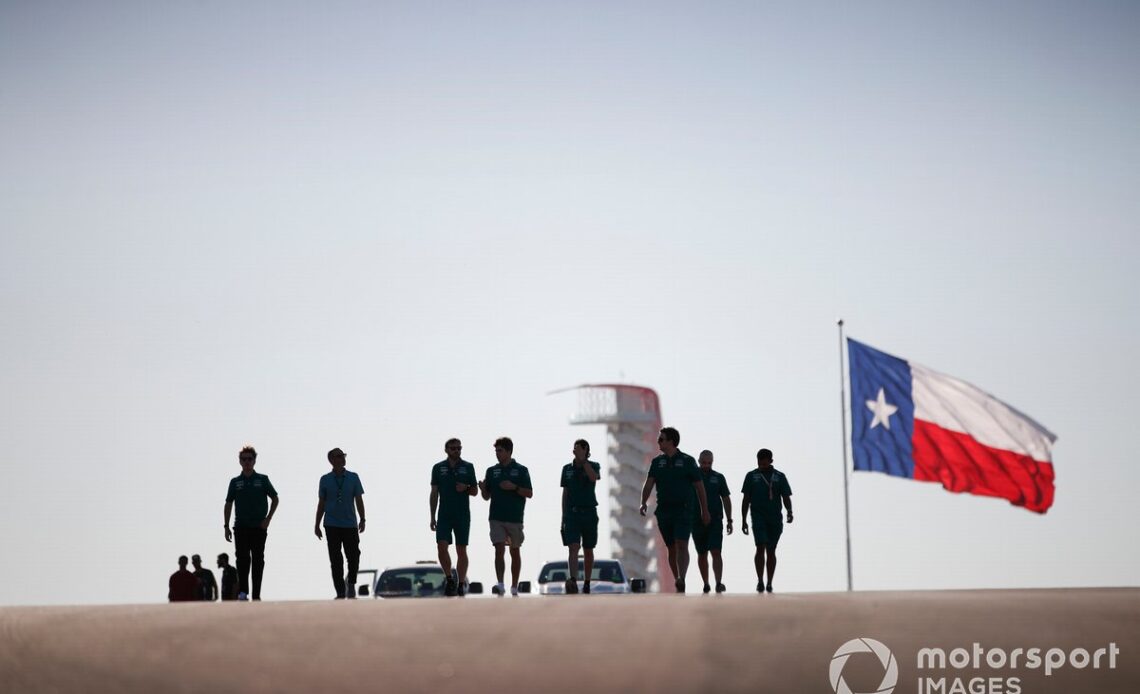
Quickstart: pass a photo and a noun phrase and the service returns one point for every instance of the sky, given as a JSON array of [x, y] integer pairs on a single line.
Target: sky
[[380, 225]]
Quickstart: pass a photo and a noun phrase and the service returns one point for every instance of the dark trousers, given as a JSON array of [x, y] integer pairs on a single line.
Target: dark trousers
[[250, 547], [349, 539]]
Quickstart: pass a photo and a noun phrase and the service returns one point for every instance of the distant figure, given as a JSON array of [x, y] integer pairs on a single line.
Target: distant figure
[[339, 496], [580, 513], [209, 587], [250, 490], [710, 538], [508, 487], [184, 586], [229, 577], [453, 483], [676, 476], [764, 490]]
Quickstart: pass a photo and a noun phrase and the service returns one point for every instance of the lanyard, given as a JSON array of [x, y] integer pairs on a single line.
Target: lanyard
[[769, 483], [340, 486]]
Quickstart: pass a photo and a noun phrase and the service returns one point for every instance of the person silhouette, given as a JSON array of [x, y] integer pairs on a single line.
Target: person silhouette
[[183, 586]]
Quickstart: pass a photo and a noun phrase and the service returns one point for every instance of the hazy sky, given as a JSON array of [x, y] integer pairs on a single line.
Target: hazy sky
[[379, 225]]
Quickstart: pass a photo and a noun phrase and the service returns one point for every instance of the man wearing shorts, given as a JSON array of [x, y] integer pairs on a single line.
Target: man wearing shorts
[[765, 488], [453, 484], [710, 538], [676, 476], [507, 485], [580, 513]]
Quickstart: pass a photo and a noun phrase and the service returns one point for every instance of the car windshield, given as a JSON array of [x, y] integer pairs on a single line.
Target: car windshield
[[418, 581], [604, 571]]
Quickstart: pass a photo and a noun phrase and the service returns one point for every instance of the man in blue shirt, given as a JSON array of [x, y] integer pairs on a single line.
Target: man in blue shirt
[[339, 496]]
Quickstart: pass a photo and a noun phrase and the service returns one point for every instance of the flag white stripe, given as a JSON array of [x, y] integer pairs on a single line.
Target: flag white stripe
[[953, 404]]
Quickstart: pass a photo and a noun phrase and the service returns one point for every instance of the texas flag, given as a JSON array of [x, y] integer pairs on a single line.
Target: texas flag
[[910, 421]]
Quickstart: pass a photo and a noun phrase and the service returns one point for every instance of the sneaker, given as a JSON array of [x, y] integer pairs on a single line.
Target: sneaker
[[706, 589], [350, 592], [243, 597], [571, 586], [679, 584], [498, 589], [514, 591], [586, 587], [461, 589], [449, 586], [720, 588]]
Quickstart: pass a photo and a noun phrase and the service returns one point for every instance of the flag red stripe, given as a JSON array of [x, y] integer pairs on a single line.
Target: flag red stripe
[[961, 464]]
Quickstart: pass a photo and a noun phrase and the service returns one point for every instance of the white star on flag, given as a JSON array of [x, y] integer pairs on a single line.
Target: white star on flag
[[882, 410]]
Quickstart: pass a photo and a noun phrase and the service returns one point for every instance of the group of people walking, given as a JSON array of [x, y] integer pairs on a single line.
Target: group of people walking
[[199, 584], [692, 501]]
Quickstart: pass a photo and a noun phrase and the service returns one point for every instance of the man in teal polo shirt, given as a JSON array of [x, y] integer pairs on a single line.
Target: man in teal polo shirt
[[453, 484], [710, 538], [765, 488], [339, 496], [580, 513], [508, 487], [677, 477], [249, 490]]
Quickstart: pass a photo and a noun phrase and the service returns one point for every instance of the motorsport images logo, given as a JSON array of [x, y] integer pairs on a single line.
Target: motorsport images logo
[[962, 670], [864, 645]]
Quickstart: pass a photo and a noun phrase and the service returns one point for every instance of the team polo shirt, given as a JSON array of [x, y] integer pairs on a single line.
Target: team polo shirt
[[507, 506], [339, 494], [674, 477], [716, 489], [250, 495], [766, 488], [452, 503], [581, 488]]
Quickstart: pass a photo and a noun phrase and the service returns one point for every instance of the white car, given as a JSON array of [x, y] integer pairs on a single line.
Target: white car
[[424, 579], [608, 577]]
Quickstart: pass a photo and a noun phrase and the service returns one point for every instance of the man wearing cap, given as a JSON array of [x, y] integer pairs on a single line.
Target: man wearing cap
[[248, 491], [710, 538], [339, 496], [765, 488], [507, 485], [677, 477], [453, 484], [580, 513]]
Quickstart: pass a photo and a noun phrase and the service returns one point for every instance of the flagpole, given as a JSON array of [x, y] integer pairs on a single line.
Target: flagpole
[[843, 422]]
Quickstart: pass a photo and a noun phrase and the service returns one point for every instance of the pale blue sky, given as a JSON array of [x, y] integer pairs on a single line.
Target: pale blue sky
[[376, 226]]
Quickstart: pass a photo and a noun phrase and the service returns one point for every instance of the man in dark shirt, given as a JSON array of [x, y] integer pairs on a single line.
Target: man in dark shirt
[[206, 580], [229, 577], [249, 490], [765, 488], [710, 538], [580, 513], [677, 477], [184, 586], [507, 485], [453, 484]]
